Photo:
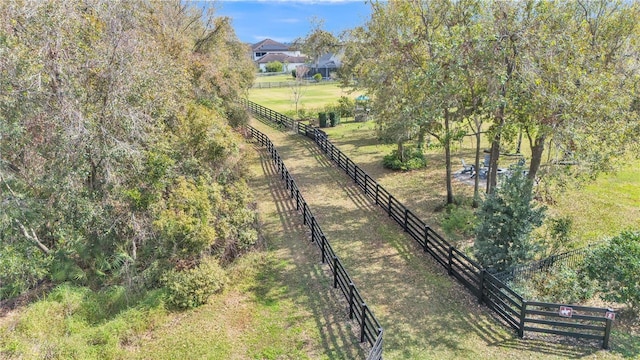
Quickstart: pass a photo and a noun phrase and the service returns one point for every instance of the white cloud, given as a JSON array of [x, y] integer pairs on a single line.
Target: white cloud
[[288, 20]]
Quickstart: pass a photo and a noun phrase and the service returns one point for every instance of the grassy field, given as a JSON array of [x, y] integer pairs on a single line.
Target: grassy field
[[425, 313], [313, 97], [599, 209]]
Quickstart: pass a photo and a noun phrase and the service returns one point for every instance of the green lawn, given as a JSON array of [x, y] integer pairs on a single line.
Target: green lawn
[[313, 97]]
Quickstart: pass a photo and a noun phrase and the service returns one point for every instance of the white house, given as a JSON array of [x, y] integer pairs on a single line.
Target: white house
[[289, 62], [268, 46]]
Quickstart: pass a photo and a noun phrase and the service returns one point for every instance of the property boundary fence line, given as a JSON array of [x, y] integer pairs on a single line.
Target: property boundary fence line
[[526, 271], [370, 329], [516, 312], [280, 84]]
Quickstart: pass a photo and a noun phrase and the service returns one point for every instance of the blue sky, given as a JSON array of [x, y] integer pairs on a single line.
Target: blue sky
[[286, 20]]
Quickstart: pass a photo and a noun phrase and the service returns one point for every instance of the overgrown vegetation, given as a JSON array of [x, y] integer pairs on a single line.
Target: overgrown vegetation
[[117, 162], [408, 159], [616, 269]]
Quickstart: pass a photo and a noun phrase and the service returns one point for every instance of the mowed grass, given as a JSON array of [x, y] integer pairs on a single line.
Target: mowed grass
[[425, 313], [279, 305], [313, 97], [600, 209]]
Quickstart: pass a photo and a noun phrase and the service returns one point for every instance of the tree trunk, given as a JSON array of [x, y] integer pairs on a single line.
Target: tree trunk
[[537, 148], [401, 150], [492, 175], [447, 156], [476, 179]]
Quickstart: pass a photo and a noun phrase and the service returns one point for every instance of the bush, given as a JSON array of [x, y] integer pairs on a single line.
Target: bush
[[237, 115], [346, 107], [274, 66], [293, 74], [561, 284], [616, 268], [22, 268], [414, 159], [317, 77], [459, 220], [191, 288]]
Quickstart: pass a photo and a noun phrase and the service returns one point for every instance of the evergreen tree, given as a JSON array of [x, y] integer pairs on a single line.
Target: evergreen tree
[[506, 218]]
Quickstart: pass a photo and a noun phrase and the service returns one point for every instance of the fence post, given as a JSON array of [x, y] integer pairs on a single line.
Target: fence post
[[365, 184], [523, 314], [335, 271], [406, 219], [304, 213], [323, 241], [355, 173], [389, 209], [363, 318], [297, 199], [607, 332], [450, 267], [351, 287], [481, 286], [426, 238], [313, 228]]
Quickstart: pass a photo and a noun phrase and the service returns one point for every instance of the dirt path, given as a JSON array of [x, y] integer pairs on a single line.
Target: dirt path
[[425, 313]]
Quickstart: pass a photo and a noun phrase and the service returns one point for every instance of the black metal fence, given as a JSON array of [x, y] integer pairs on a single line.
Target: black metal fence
[[370, 329], [525, 271], [516, 312]]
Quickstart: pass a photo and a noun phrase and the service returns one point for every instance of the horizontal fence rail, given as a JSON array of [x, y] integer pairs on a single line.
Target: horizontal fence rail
[[508, 305], [280, 84], [370, 329]]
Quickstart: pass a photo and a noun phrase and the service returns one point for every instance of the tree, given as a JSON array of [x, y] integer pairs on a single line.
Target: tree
[[505, 219], [318, 42], [616, 268], [298, 85]]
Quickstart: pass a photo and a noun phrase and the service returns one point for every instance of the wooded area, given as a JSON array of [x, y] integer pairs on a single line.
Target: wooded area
[[117, 161]]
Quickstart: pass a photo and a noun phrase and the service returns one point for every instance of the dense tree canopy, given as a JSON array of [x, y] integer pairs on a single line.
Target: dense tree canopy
[[117, 162], [564, 73]]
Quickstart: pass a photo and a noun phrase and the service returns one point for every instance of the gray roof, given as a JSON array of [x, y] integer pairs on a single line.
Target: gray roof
[[282, 58], [269, 45]]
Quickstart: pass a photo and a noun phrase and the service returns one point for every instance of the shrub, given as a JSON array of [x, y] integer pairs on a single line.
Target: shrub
[[346, 107], [317, 77], [22, 268], [616, 268], [237, 115], [274, 66], [191, 288], [459, 220], [414, 159], [293, 74], [561, 284]]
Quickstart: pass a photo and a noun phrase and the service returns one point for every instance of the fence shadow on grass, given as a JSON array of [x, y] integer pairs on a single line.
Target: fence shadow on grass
[[311, 289]]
